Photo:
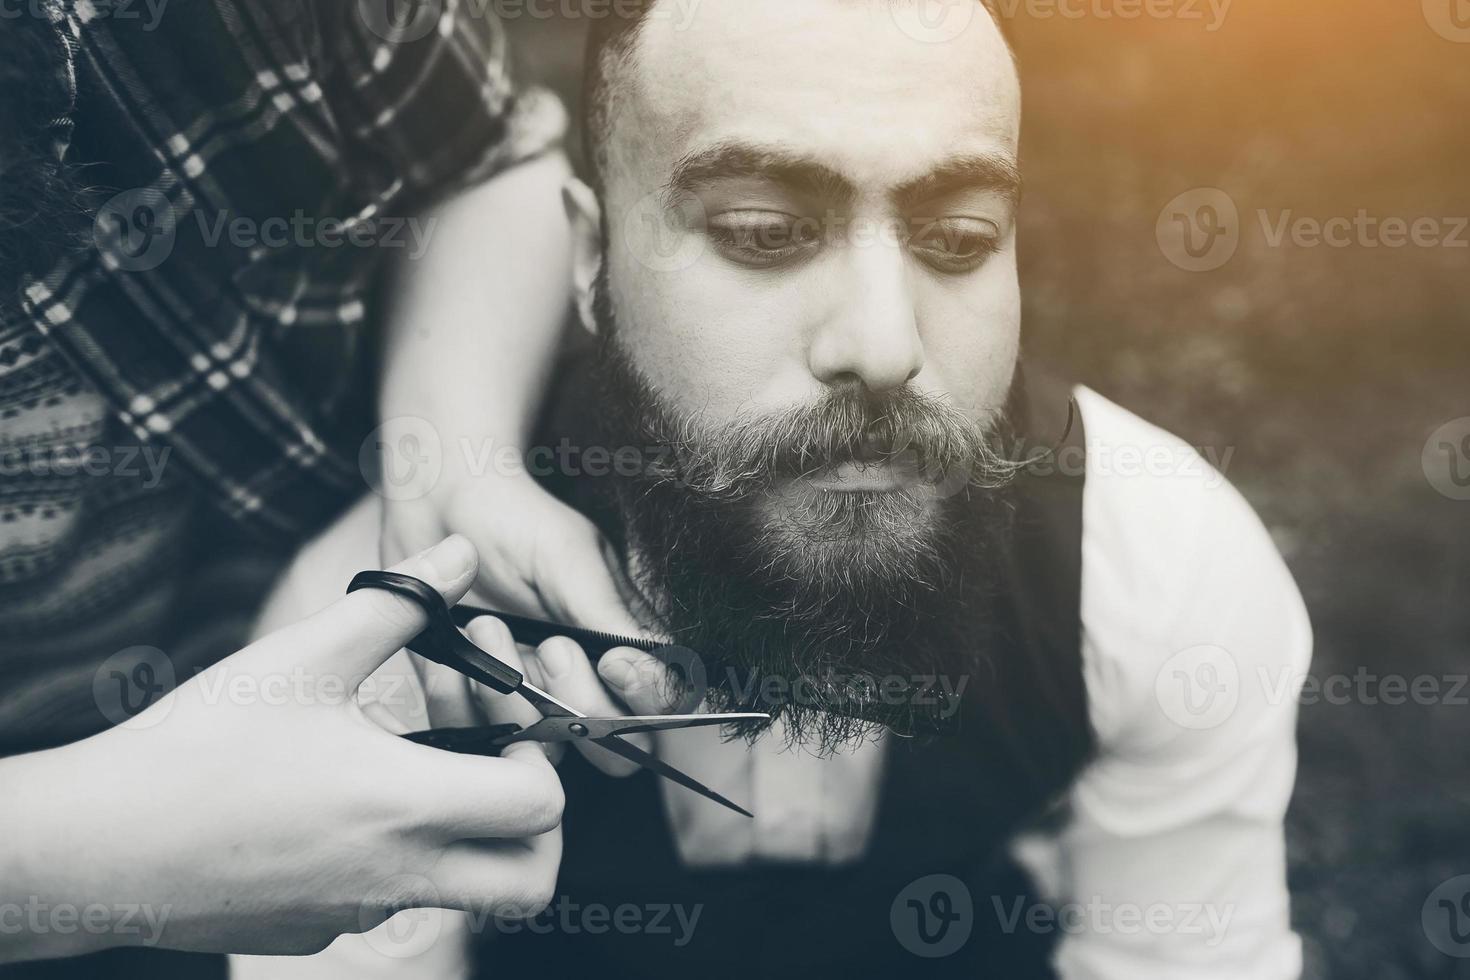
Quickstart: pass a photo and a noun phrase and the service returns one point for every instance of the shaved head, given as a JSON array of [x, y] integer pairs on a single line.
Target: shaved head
[[612, 46]]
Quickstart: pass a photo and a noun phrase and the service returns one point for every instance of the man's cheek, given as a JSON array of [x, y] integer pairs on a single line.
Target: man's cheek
[[721, 357], [970, 353], [974, 378]]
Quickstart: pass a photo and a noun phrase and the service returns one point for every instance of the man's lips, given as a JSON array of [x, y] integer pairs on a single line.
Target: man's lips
[[853, 477]]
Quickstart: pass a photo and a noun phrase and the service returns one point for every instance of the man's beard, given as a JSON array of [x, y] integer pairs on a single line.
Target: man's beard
[[843, 612]]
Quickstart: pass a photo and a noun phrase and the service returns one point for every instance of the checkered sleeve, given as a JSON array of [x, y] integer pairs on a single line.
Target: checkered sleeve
[[423, 94], [257, 159]]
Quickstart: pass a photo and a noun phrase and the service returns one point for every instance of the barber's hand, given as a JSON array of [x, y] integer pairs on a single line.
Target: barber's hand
[[625, 681], [272, 825], [538, 557]]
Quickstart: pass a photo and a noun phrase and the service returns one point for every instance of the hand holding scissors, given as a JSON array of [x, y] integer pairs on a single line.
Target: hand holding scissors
[[443, 643]]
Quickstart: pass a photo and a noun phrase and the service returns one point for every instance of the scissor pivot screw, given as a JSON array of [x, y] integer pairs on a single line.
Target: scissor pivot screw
[[578, 730]]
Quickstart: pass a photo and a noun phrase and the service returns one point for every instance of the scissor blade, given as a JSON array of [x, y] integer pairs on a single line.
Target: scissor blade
[[634, 754], [569, 728], [549, 706], [637, 724]]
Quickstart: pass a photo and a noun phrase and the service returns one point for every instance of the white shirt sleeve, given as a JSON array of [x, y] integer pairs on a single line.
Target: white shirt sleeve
[[1195, 645]]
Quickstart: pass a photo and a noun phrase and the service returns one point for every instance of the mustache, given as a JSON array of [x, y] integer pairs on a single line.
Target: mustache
[[740, 458], [924, 438]]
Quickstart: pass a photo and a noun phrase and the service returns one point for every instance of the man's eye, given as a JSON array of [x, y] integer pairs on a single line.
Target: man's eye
[[763, 238], [955, 244]]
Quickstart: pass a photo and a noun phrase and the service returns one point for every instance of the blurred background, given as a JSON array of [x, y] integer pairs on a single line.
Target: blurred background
[[1337, 373]]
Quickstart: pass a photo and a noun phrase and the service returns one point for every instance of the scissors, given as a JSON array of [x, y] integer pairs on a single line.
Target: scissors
[[442, 642]]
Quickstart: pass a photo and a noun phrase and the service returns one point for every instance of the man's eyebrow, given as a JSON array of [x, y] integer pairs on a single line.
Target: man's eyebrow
[[983, 172], [732, 161]]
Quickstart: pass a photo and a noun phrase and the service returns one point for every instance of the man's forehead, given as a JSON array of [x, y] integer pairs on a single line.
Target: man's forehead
[[844, 82]]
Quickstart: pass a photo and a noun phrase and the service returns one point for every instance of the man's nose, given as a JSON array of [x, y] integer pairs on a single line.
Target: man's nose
[[871, 333]]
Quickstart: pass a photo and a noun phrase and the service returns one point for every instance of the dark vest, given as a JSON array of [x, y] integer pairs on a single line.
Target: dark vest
[[949, 805]]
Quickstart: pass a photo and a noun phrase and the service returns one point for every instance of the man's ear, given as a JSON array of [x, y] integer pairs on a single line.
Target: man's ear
[[584, 213]]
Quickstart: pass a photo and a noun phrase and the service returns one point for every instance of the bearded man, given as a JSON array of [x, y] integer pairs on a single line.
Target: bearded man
[[1018, 644]]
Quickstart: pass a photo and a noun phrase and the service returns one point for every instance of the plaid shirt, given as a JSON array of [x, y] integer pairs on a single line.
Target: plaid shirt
[[260, 157]]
